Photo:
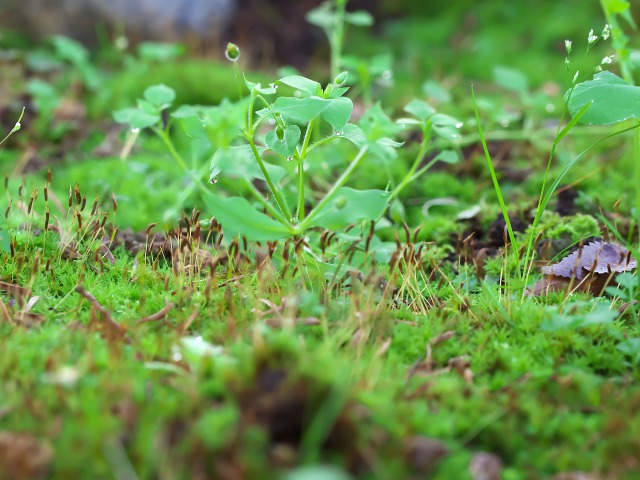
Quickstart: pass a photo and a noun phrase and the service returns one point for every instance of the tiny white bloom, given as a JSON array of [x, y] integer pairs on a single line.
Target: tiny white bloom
[[606, 32], [592, 38], [567, 46], [607, 60]]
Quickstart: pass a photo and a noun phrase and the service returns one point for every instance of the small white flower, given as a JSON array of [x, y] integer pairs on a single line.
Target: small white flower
[[607, 60], [567, 46], [575, 77], [606, 32], [592, 38]]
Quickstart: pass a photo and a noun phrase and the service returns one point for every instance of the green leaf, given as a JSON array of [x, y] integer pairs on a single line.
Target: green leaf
[[239, 161], [338, 92], [359, 18], [238, 217], [287, 146], [354, 134], [305, 85], [299, 110], [338, 112], [193, 126], [322, 16], [511, 79], [184, 111], [612, 100], [446, 126], [419, 109], [255, 88], [351, 206], [160, 95], [159, 52], [447, 156], [70, 50], [135, 118]]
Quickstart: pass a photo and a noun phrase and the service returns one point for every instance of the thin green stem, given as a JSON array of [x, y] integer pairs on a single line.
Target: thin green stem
[[303, 225], [337, 37], [178, 158], [408, 178], [274, 191], [494, 178], [14, 129], [301, 157], [270, 208], [236, 71]]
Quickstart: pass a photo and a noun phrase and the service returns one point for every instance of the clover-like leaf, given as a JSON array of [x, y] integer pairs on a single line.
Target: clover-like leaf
[[351, 206], [238, 217], [299, 110], [285, 146], [419, 109], [446, 126], [307, 86], [338, 112], [612, 100], [239, 161], [136, 118], [161, 95]]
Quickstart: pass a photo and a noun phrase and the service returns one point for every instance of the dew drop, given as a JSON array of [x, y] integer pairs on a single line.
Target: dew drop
[[550, 108], [135, 130], [504, 123], [289, 158], [459, 125], [177, 356], [272, 121], [297, 94], [387, 74], [339, 134], [215, 180]]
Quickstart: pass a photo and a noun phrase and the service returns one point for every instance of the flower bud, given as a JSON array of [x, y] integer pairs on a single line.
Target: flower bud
[[280, 132], [340, 79], [232, 52]]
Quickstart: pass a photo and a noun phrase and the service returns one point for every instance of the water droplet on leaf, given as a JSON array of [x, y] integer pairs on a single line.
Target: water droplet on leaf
[[459, 125], [135, 130]]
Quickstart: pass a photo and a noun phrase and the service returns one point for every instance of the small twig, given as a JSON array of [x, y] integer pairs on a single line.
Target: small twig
[[158, 315], [105, 313], [184, 325], [231, 280]]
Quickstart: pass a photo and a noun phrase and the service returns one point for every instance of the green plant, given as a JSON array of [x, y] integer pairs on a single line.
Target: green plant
[[5, 236]]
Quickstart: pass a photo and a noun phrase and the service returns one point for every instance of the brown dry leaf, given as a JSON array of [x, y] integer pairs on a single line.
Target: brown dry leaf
[[485, 466], [424, 453], [588, 269], [23, 457], [18, 293]]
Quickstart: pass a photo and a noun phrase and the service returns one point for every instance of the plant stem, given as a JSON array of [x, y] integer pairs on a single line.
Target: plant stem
[[494, 178], [303, 225], [337, 37], [426, 136], [301, 157], [236, 71], [274, 191], [178, 158]]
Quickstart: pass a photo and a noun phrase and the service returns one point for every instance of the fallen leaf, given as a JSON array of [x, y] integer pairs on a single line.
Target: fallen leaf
[[596, 257], [423, 453], [485, 466], [589, 269], [23, 457]]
